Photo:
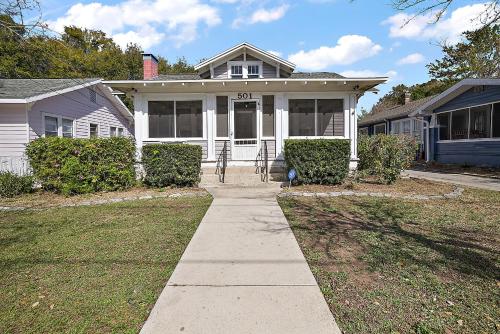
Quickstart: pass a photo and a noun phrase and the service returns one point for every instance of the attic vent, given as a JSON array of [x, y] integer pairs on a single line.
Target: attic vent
[[92, 95]]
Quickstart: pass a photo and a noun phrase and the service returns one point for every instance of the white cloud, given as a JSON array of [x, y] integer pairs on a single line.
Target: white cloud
[[448, 28], [413, 58], [368, 73], [349, 49], [276, 53], [262, 16], [145, 22]]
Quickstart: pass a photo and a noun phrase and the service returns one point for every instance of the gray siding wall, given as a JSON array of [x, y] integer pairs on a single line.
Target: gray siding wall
[[268, 71], [472, 97], [271, 147], [13, 130], [77, 105], [475, 153], [220, 72]]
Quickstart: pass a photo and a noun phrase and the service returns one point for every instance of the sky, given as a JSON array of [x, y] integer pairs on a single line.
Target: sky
[[354, 38]]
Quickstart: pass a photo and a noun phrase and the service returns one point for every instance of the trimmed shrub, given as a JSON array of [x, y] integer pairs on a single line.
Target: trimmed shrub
[[13, 185], [78, 166], [320, 161], [171, 164], [385, 156]]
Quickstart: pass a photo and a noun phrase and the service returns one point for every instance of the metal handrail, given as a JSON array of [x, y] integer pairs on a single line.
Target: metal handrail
[[266, 162], [222, 163]]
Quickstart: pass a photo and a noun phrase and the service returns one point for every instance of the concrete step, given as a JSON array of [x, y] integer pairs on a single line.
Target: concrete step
[[237, 176]]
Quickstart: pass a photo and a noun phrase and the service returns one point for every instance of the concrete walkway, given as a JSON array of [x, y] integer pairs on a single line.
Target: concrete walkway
[[243, 272], [465, 180]]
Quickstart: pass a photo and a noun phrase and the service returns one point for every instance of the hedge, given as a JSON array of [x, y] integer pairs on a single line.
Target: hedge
[[385, 156], [320, 161], [76, 166], [13, 185], [171, 164]]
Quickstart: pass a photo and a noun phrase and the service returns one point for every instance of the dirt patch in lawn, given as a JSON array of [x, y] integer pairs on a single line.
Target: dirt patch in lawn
[[401, 266], [404, 186], [44, 199]]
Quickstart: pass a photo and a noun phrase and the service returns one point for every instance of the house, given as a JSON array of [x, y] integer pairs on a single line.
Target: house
[[243, 99], [397, 120], [33, 108], [464, 123]]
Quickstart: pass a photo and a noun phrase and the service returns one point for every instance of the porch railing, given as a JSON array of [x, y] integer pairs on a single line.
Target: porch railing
[[262, 162], [222, 163]]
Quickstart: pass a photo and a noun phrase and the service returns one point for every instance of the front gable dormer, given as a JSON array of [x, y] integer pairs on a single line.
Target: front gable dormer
[[245, 61]]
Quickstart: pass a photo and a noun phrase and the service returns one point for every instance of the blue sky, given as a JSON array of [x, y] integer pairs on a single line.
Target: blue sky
[[360, 38]]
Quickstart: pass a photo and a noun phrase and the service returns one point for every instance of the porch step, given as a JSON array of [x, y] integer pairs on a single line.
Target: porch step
[[244, 176]]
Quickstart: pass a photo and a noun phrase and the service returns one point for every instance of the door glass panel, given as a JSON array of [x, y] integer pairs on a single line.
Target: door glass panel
[[245, 120]]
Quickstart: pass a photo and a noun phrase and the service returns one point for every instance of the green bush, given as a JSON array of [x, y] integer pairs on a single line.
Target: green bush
[[321, 161], [171, 164], [385, 156], [13, 185], [77, 166]]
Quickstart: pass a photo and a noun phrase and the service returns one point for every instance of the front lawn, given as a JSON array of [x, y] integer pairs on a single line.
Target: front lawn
[[92, 269], [402, 266]]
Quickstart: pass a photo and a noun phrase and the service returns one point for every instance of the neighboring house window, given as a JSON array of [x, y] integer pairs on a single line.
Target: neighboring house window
[[396, 128], [175, 119], [363, 131], [460, 124], [112, 131], [309, 117], [51, 126], [67, 128], [94, 130], [480, 122], [253, 71], [120, 132], [443, 121], [268, 116], [495, 123], [236, 71], [221, 117], [379, 129], [407, 127], [92, 95]]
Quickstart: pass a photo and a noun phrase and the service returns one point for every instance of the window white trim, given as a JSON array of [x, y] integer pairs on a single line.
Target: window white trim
[[59, 123], [244, 65]]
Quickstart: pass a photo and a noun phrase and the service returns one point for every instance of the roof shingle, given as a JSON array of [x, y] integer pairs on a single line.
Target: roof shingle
[[26, 88]]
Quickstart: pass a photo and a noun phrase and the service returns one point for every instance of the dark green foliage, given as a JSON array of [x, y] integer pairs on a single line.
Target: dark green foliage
[[77, 166], [13, 185], [171, 164], [385, 156], [319, 161]]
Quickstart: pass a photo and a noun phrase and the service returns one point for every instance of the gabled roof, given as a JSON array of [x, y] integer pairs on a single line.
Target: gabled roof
[[32, 90], [244, 47], [452, 92], [394, 112]]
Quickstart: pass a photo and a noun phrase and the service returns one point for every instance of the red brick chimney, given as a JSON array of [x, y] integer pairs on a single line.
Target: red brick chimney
[[150, 65]]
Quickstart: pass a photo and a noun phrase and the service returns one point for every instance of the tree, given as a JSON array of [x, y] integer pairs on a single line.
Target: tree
[[437, 8], [476, 57], [179, 67], [362, 114]]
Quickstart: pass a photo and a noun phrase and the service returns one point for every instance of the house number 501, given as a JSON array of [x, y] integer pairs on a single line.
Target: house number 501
[[243, 96]]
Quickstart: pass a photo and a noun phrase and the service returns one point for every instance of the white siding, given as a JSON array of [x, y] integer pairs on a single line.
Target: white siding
[[220, 72], [13, 130]]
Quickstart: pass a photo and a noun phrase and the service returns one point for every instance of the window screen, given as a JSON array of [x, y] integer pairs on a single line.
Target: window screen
[[120, 132], [112, 131], [443, 121], [379, 129], [496, 121], [301, 117], [67, 128], [268, 116], [161, 119], [460, 124], [237, 71], [330, 112], [189, 119], [94, 130], [480, 122], [221, 116], [51, 126]]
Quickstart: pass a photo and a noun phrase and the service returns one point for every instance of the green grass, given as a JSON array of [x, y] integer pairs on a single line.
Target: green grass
[[394, 266], [95, 269]]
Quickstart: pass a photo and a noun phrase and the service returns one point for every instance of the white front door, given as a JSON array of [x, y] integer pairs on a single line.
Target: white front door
[[245, 139]]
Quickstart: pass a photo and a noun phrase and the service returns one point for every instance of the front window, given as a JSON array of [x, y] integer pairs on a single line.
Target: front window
[[321, 117], [396, 128], [51, 126], [301, 115], [443, 121], [268, 116], [120, 132], [67, 128], [112, 131], [495, 122], [237, 71], [480, 122], [221, 116], [459, 124], [328, 114], [407, 127], [175, 119]]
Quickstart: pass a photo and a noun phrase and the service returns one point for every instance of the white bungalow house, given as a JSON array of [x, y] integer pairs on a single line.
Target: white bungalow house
[[244, 97]]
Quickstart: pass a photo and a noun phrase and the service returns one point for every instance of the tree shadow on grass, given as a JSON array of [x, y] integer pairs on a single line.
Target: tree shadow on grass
[[394, 237]]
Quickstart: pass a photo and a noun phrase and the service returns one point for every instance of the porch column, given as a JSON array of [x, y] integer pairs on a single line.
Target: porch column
[[279, 136], [211, 105], [353, 127]]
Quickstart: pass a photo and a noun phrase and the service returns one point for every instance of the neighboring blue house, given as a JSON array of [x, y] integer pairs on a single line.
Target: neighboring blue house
[[464, 123]]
